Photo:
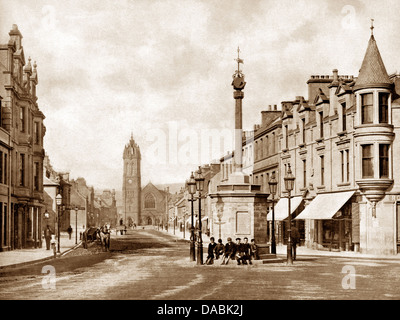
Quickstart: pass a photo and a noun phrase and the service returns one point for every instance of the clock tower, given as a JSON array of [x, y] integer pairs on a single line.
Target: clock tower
[[131, 185]]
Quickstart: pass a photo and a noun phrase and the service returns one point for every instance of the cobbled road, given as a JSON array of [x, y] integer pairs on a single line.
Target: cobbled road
[[151, 265]]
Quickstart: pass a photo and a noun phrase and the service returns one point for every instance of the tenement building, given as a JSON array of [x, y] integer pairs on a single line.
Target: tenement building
[[343, 147], [21, 148]]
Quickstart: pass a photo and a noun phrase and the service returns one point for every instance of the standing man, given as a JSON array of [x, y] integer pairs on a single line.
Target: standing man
[[69, 230], [295, 240], [47, 237]]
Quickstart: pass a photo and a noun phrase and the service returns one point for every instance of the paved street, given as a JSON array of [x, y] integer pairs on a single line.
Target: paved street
[[149, 264]]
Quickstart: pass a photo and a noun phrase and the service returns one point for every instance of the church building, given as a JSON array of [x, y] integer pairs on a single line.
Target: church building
[[141, 206]]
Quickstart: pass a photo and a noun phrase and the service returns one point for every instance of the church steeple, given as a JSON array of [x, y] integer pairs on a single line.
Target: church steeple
[[373, 73], [131, 187], [132, 150]]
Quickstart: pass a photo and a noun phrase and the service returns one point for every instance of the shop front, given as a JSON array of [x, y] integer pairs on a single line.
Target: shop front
[[281, 219], [332, 222]]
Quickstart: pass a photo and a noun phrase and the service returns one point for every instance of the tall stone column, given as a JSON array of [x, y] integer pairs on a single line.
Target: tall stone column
[[238, 84], [238, 95]]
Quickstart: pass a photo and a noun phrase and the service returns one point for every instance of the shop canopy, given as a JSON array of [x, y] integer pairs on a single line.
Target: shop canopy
[[281, 208], [325, 206]]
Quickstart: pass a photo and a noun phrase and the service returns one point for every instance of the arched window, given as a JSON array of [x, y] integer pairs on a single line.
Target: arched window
[[149, 202]]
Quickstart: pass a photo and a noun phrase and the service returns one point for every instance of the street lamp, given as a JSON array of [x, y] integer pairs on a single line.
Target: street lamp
[[76, 225], [289, 185], [58, 202], [199, 186], [46, 215], [272, 190], [220, 211], [191, 185]]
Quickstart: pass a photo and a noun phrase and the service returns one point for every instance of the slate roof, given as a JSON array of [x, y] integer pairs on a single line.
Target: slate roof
[[373, 72]]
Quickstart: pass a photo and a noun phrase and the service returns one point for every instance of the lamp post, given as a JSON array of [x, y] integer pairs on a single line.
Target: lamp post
[[76, 225], [289, 184], [199, 186], [272, 190], [191, 184], [58, 202], [220, 211]]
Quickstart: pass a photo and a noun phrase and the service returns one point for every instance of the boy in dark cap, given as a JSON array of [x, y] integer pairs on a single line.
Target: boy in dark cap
[[211, 248], [254, 250], [246, 251], [230, 250], [219, 249], [239, 251]]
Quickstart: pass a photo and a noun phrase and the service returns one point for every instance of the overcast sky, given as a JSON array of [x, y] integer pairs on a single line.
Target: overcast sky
[[162, 70]]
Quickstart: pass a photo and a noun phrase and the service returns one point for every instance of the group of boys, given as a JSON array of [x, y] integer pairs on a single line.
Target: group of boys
[[241, 252]]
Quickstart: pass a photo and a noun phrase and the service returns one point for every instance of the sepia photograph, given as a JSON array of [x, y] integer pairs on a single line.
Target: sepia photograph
[[199, 157]]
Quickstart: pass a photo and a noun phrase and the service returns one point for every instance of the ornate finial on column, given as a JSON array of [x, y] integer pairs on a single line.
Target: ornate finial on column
[[238, 72], [238, 77], [372, 27]]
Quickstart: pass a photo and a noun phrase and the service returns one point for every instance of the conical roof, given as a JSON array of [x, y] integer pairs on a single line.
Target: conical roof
[[373, 72]]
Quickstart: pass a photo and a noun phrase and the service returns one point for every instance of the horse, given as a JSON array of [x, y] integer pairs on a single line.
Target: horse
[[104, 237]]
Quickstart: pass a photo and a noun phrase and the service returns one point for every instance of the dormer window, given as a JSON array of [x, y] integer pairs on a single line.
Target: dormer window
[[367, 104], [343, 106], [303, 130], [321, 124]]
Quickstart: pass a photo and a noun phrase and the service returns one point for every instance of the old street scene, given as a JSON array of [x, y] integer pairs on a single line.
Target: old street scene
[[194, 150]]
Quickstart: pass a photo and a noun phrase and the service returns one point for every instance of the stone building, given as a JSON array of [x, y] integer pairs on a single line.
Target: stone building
[[106, 205], [21, 148], [343, 149]]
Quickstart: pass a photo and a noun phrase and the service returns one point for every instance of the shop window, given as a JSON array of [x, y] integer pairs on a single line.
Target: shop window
[[383, 107], [367, 103], [367, 161]]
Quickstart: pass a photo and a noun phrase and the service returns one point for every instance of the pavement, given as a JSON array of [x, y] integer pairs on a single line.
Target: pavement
[[21, 257], [281, 250]]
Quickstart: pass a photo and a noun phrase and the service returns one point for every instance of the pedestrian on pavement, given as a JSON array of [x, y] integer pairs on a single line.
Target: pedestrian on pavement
[[69, 230], [295, 235], [211, 248], [219, 249], [254, 250], [246, 250], [47, 237], [230, 250]]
